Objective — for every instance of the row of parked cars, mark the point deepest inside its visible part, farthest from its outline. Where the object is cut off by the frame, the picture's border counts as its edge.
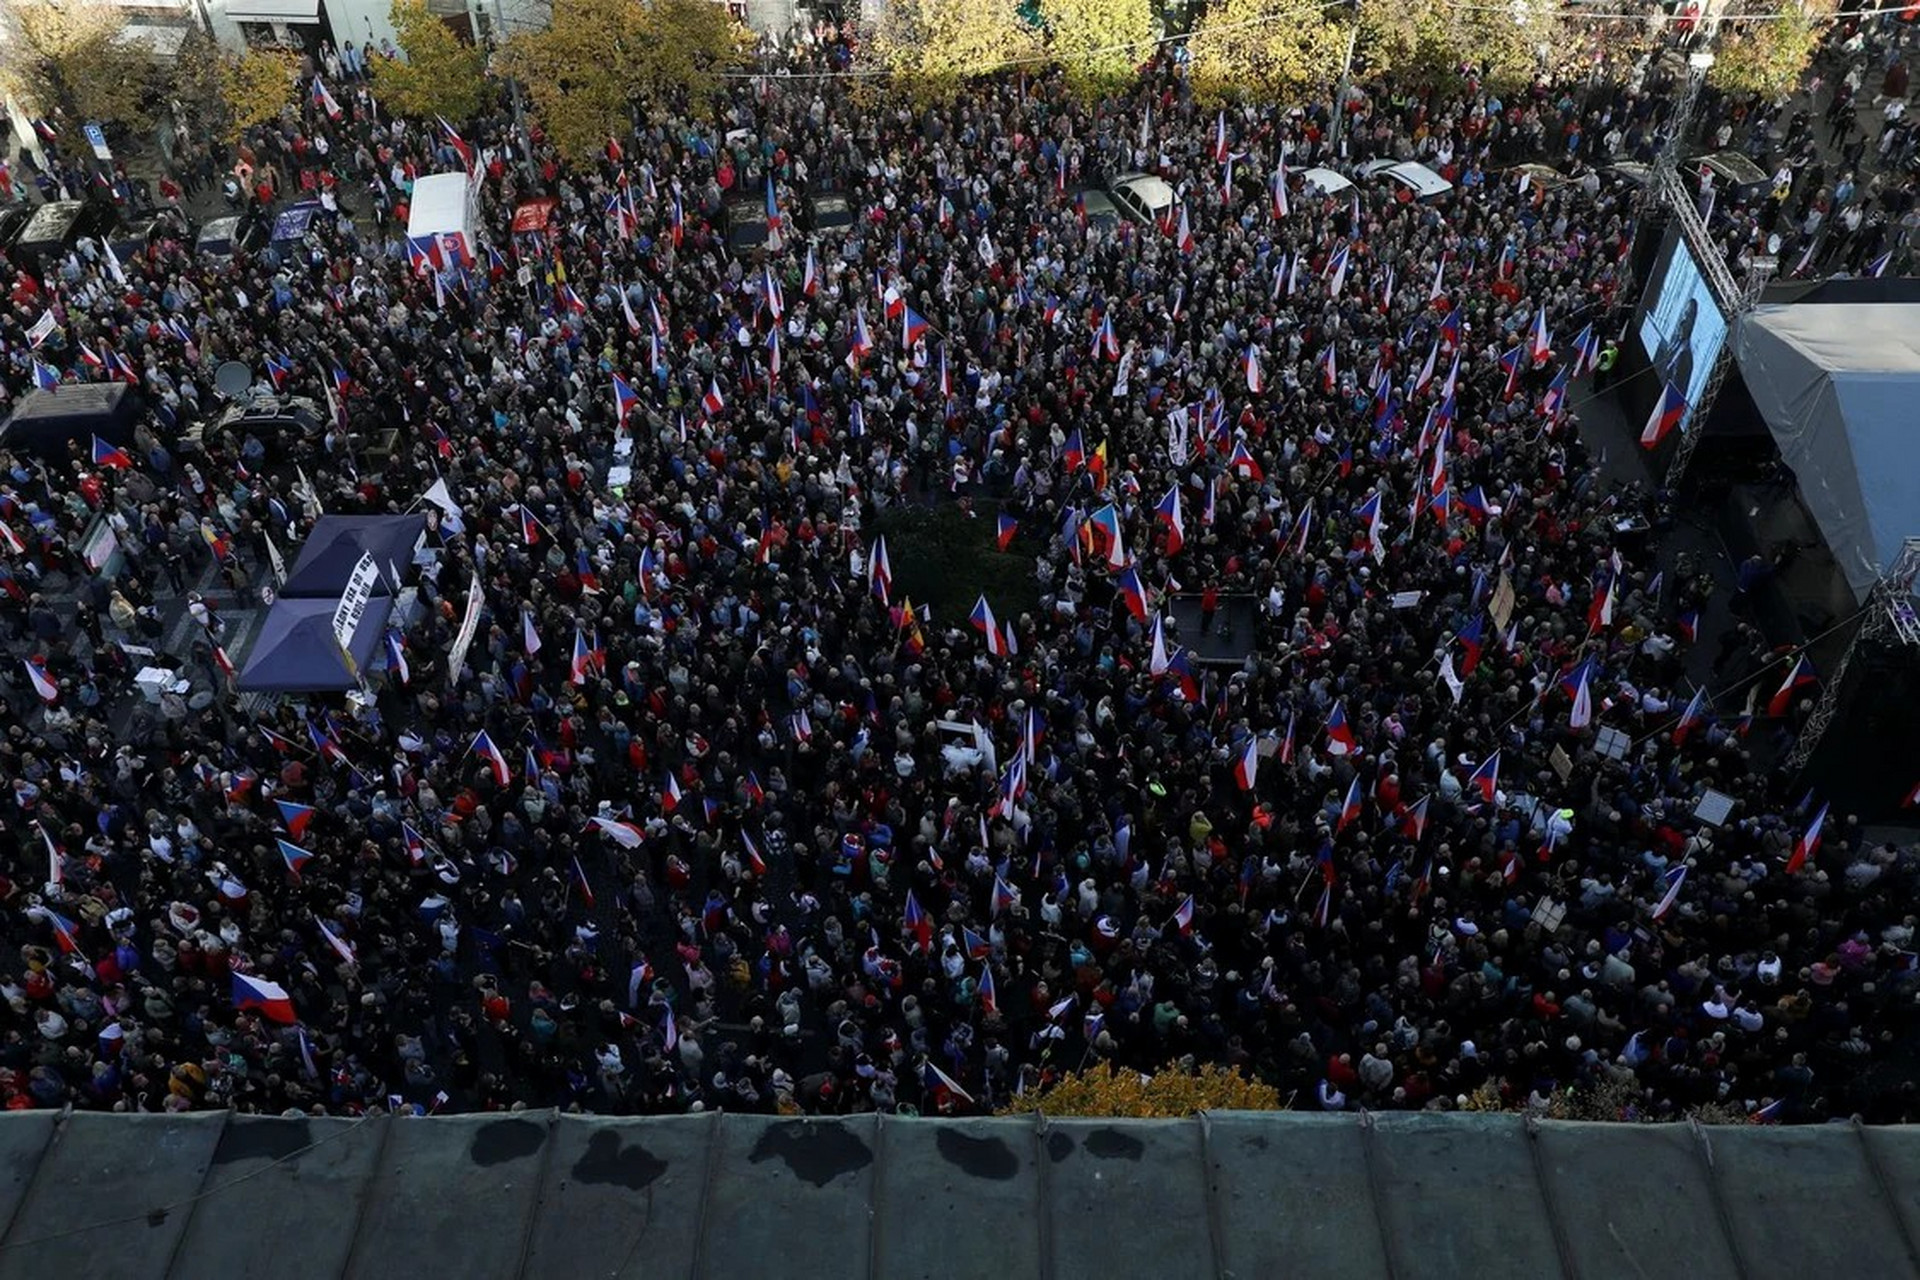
(36, 238)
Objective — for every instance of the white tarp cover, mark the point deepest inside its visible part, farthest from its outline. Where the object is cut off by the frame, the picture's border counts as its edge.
(1839, 387)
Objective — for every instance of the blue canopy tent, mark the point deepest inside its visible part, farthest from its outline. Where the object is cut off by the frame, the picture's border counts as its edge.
(336, 544)
(297, 651)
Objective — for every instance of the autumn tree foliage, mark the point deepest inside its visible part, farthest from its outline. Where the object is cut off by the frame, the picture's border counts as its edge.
(1265, 49)
(931, 46)
(74, 62)
(1099, 44)
(600, 58)
(440, 75)
(1168, 1093)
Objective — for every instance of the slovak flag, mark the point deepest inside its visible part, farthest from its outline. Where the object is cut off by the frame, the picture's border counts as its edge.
(1183, 916)
(1809, 844)
(713, 402)
(1168, 512)
(1797, 679)
(295, 817)
(1340, 739)
(1349, 808)
(1487, 777)
(1246, 765)
(269, 998)
(1256, 382)
(43, 683)
(1667, 412)
(624, 399)
(107, 455)
(496, 760)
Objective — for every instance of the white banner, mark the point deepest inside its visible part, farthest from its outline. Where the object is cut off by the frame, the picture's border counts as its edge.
(457, 656)
(353, 601)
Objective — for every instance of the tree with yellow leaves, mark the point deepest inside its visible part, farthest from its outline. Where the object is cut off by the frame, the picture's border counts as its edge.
(1265, 48)
(598, 58)
(73, 62)
(1098, 43)
(1768, 55)
(931, 46)
(256, 86)
(1436, 46)
(1166, 1094)
(690, 47)
(441, 74)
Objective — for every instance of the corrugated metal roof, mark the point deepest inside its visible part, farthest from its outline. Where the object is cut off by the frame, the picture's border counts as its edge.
(1406, 1196)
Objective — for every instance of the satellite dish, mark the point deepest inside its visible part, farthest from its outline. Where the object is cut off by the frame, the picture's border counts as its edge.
(233, 379)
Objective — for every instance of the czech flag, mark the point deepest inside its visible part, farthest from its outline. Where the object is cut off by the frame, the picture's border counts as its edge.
(325, 101)
(1133, 593)
(1340, 739)
(1797, 679)
(1691, 718)
(1542, 340)
(1487, 777)
(1577, 684)
(106, 455)
(1008, 527)
(1472, 639)
(496, 760)
(880, 571)
(1809, 844)
(624, 400)
(257, 993)
(1183, 916)
(773, 207)
(919, 924)
(624, 834)
(983, 622)
(43, 683)
(713, 402)
(1675, 877)
(1511, 363)
(1414, 824)
(1243, 463)
(580, 882)
(913, 326)
(1688, 625)
(295, 817)
(810, 278)
(1256, 381)
(1350, 809)
(295, 856)
(1246, 765)
(1667, 412)
(1168, 513)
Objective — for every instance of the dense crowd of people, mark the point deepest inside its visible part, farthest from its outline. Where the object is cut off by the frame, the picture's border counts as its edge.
(713, 815)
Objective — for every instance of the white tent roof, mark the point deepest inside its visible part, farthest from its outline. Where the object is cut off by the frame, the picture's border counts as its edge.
(1838, 386)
